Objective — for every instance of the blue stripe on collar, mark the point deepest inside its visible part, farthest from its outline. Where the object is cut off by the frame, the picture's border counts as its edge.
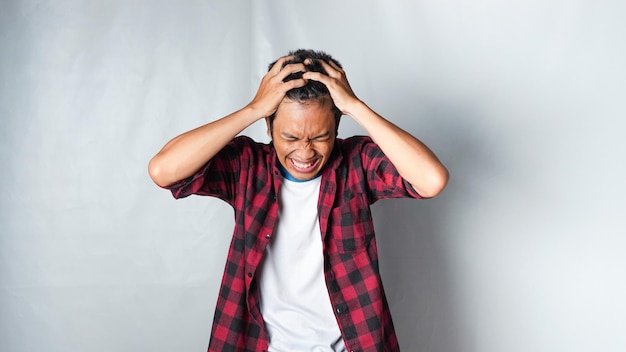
(289, 177)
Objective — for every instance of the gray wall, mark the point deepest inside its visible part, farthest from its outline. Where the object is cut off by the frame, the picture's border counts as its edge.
(524, 101)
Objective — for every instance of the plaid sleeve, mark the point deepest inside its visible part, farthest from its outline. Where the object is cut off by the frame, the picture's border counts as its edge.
(383, 179)
(219, 176)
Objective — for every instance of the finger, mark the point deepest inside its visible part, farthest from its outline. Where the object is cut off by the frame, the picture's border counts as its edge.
(335, 66)
(294, 67)
(317, 76)
(295, 83)
(278, 65)
(290, 69)
(332, 70)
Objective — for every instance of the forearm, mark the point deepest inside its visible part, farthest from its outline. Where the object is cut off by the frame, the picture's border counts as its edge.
(415, 162)
(187, 153)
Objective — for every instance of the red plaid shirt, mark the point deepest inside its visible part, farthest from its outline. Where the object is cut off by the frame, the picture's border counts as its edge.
(246, 176)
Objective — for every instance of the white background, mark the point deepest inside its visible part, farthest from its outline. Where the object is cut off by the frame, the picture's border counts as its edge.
(524, 101)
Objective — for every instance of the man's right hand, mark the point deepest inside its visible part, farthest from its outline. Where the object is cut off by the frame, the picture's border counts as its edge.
(188, 152)
(273, 88)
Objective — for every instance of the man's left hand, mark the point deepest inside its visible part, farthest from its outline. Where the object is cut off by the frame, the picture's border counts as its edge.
(337, 84)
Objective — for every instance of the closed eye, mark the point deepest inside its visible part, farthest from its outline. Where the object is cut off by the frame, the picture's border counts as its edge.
(321, 138)
(290, 137)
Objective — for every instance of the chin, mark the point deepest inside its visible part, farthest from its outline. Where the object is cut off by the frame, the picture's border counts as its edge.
(303, 175)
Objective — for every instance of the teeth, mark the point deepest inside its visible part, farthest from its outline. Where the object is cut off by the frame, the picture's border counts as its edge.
(300, 165)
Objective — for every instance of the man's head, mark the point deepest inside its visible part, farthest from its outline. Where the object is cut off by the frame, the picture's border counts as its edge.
(313, 90)
(304, 126)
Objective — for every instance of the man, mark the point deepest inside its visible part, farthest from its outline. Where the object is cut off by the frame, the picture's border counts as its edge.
(302, 269)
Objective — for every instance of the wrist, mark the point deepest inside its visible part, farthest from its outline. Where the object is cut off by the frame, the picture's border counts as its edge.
(355, 109)
(253, 113)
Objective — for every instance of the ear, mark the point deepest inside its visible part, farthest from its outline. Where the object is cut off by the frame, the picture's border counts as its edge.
(269, 129)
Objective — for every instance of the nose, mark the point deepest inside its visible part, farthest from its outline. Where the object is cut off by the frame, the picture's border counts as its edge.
(306, 149)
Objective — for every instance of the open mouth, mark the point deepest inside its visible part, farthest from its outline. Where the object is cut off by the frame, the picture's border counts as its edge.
(304, 167)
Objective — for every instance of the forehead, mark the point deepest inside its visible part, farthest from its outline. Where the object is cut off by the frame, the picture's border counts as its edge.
(316, 112)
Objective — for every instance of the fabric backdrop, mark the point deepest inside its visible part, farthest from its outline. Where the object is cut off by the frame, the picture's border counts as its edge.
(524, 101)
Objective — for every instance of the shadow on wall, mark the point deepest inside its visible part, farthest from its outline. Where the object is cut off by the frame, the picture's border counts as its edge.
(416, 239)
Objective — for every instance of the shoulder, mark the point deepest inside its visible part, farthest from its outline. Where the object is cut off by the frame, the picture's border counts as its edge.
(354, 143)
(247, 142)
(247, 145)
(358, 145)
(246, 152)
(354, 152)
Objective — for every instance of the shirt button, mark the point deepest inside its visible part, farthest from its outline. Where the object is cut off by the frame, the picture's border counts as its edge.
(267, 237)
(249, 274)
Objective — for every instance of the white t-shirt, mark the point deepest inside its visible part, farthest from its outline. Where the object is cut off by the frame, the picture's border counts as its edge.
(295, 303)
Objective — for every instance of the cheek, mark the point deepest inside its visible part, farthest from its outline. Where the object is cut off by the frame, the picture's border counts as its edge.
(324, 150)
(287, 149)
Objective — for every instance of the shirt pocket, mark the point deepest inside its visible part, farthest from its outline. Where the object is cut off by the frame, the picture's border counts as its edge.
(351, 226)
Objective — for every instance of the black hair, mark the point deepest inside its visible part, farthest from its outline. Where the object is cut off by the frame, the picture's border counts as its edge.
(312, 90)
